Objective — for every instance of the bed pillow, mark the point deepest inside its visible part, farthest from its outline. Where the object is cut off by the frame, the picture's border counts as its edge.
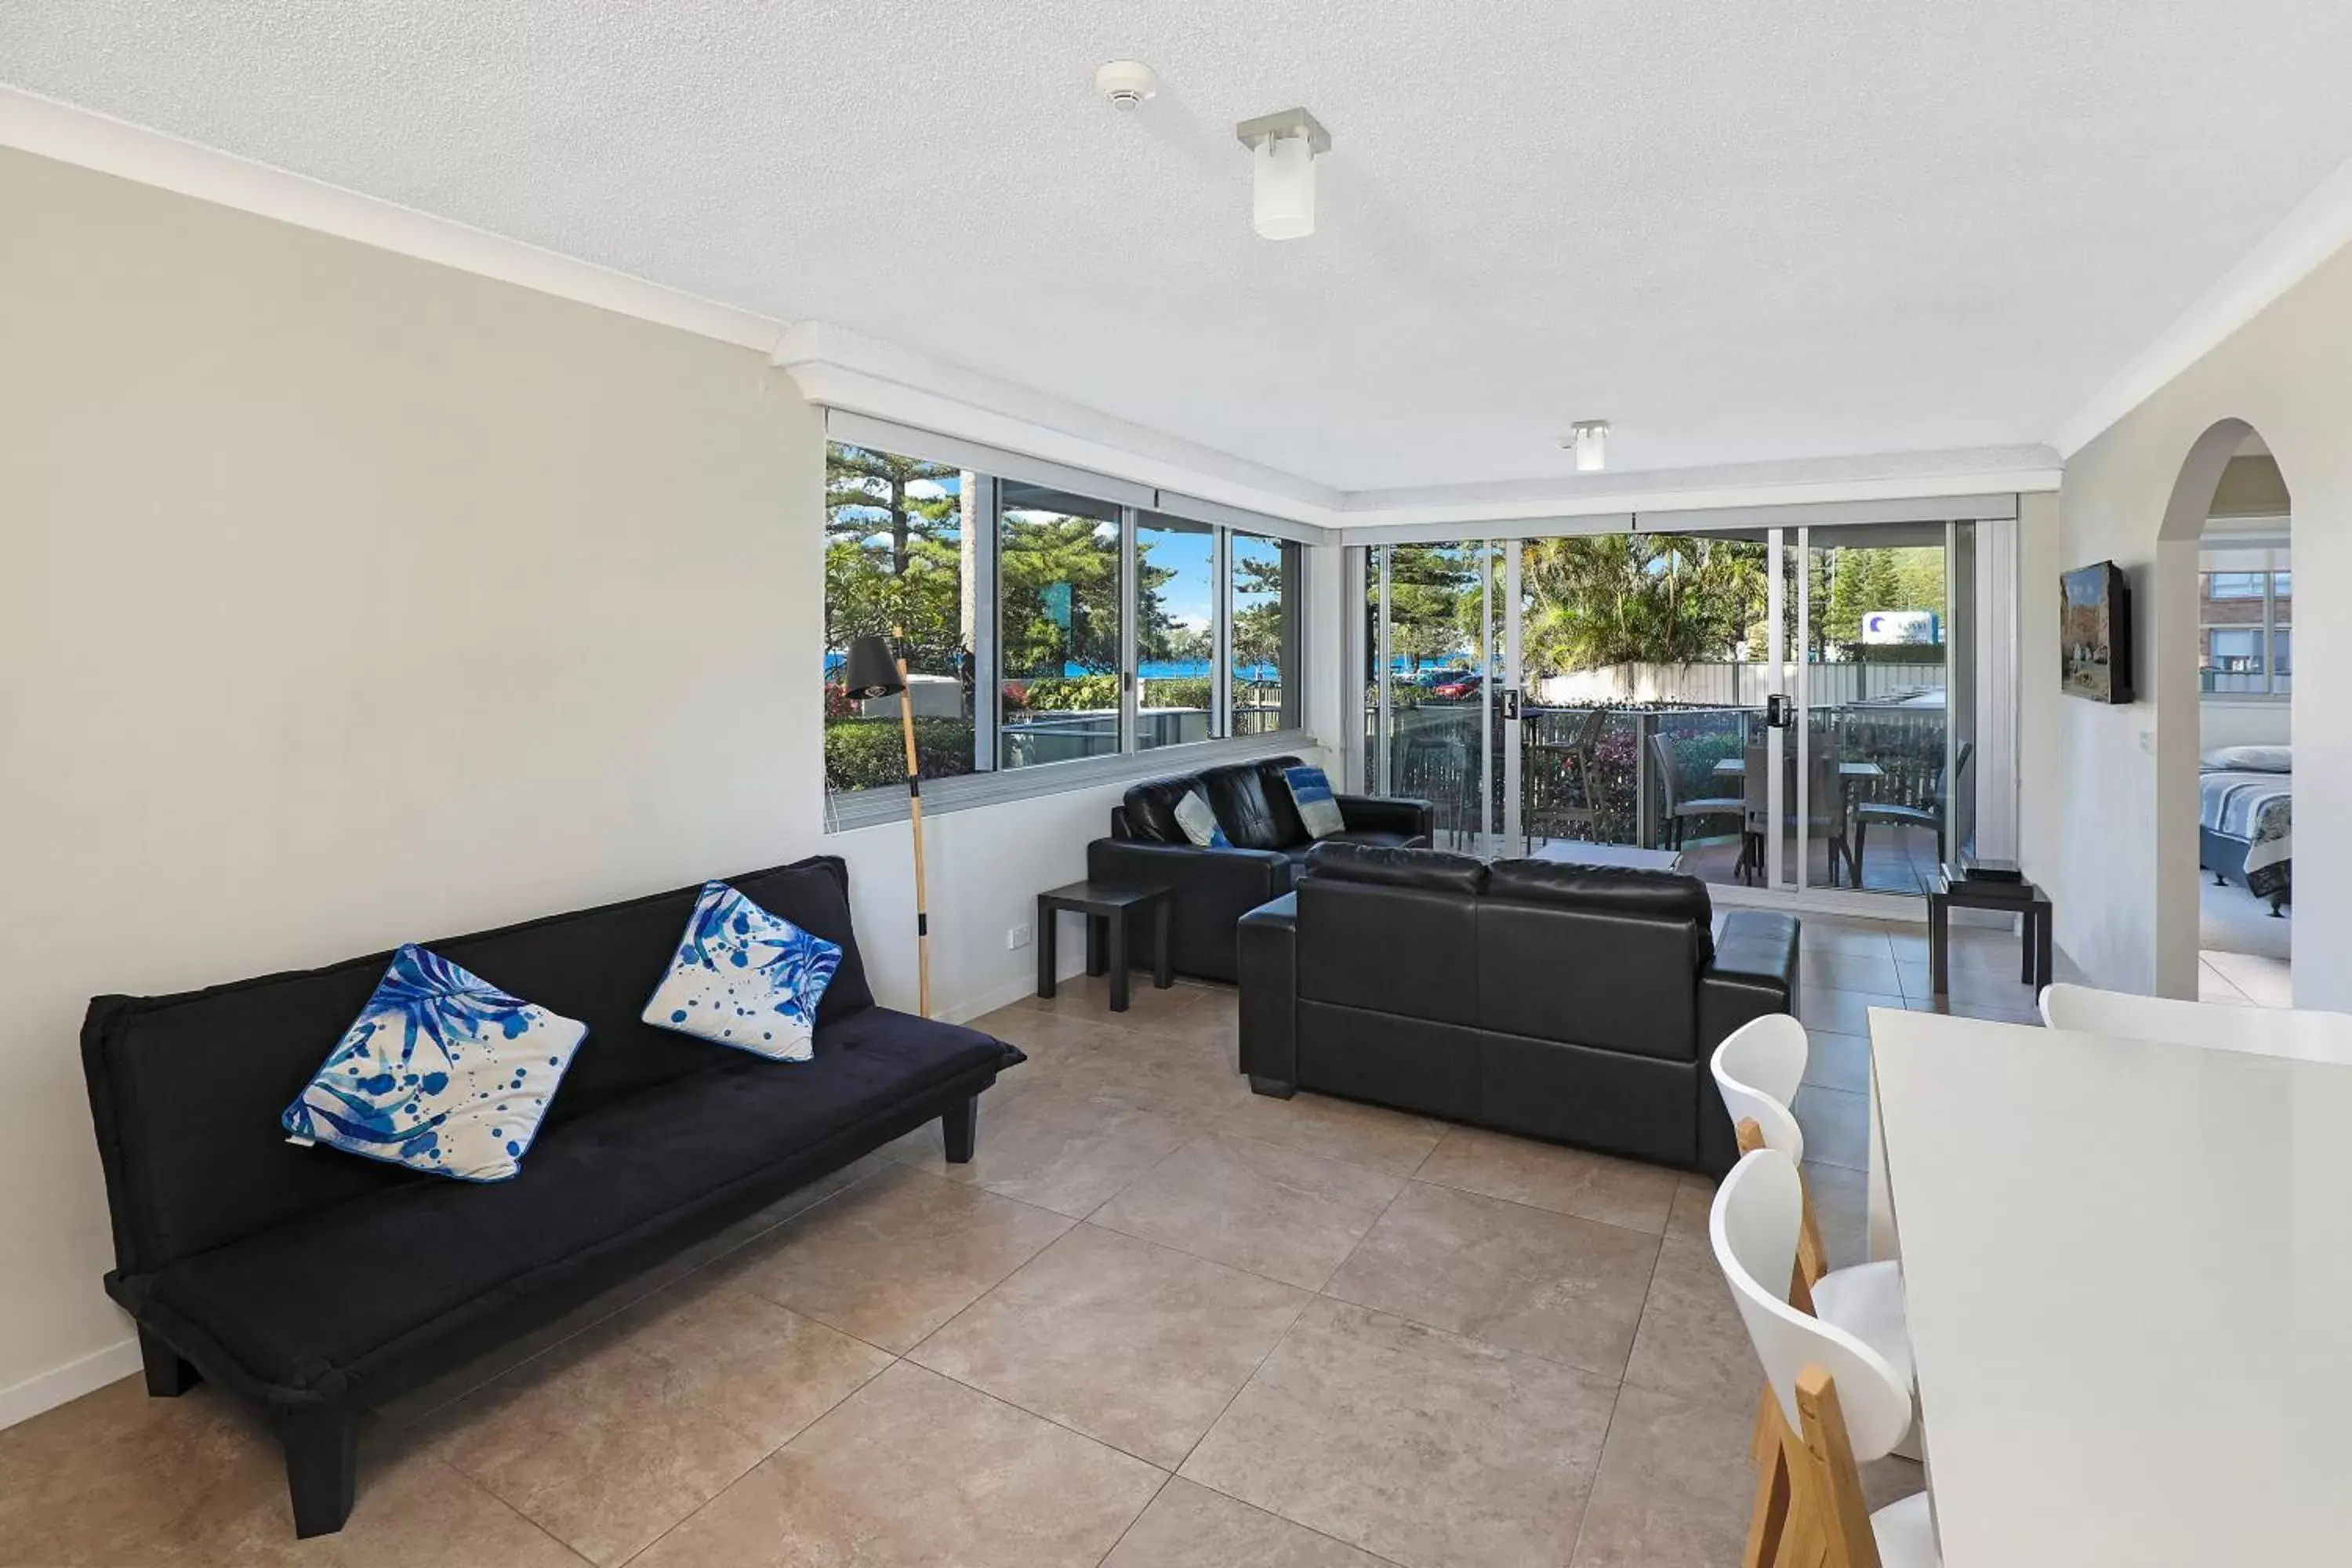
(1198, 821)
(2251, 759)
(441, 1072)
(745, 978)
(1310, 787)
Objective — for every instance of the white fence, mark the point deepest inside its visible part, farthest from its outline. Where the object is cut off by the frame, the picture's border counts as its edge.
(1742, 684)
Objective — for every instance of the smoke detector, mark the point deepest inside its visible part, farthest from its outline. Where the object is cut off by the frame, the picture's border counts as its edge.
(1127, 83)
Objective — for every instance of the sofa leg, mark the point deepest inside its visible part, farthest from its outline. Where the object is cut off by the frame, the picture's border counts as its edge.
(959, 1128)
(1274, 1087)
(321, 1444)
(169, 1373)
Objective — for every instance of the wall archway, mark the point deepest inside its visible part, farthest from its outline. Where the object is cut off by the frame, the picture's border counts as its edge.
(2165, 638)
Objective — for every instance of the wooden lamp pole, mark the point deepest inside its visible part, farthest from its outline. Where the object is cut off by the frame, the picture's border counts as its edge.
(874, 671)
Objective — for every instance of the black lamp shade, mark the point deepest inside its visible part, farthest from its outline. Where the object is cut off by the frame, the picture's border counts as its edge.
(872, 669)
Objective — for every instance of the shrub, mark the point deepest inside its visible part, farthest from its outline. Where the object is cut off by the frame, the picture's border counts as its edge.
(1072, 693)
(870, 753)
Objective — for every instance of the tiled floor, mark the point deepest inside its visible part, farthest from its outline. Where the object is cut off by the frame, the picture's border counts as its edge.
(1158, 1322)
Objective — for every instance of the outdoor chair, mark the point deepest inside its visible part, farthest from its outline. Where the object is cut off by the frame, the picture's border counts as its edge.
(1559, 794)
(1681, 813)
(1932, 812)
(1824, 809)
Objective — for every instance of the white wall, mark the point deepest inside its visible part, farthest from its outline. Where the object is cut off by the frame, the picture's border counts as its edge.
(2110, 793)
(345, 600)
(2243, 724)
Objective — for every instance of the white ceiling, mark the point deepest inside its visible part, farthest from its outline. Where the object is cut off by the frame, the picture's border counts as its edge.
(1743, 233)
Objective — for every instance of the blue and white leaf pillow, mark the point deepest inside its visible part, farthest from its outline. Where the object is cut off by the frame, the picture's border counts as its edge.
(442, 1072)
(745, 978)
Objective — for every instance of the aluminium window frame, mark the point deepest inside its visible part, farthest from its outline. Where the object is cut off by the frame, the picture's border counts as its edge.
(989, 783)
(2277, 559)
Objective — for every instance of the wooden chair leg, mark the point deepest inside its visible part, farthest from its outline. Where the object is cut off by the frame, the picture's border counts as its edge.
(1768, 1521)
(1834, 1484)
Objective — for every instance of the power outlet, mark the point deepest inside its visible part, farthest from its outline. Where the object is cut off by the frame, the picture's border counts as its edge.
(1019, 936)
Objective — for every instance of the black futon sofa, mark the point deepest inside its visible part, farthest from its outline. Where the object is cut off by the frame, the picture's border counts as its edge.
(1216, 887)
(319, 1283)
(1574, 1003)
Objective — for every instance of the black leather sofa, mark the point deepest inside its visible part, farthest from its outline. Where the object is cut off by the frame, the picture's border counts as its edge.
(319, 1283)
(1216, 887)
(1574, 1003)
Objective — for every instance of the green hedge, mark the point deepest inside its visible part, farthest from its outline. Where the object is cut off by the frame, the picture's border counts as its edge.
(869, 753)
(1072, 693)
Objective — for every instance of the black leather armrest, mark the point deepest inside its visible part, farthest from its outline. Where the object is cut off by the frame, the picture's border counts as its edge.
(1266, 872)
(1269, 976)
(1387, 814)
(1754, 972)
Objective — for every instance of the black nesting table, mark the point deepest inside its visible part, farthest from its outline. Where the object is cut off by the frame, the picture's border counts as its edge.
(2009, 897)
(1106, 906)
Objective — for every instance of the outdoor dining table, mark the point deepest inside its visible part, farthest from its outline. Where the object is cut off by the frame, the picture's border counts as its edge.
(1848, 775)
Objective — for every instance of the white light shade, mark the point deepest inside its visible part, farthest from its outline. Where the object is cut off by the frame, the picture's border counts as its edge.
(1591, 447)
(1284, 202)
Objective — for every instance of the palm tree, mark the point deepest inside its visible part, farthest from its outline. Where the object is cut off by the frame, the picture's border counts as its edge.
(1637, 599)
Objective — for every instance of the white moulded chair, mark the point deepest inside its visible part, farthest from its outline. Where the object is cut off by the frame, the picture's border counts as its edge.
(1834, 1403)
(2304, 1034)
(1756, 1069)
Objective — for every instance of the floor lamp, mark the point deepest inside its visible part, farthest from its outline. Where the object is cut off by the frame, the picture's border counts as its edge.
(875, 671)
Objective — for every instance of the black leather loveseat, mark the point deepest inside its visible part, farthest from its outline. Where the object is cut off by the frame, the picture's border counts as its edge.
(1216, 887)
(1573, 1003)
(319, 1283)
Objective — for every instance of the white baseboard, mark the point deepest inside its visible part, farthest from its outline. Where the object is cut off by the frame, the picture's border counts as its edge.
(69, 1382)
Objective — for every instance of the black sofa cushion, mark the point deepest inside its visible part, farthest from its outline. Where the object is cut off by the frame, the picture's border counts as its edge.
(336, 1294)
(1638, 938)
(1395, 866)
(1610, 889)
(1391, 931)
(1254, 815)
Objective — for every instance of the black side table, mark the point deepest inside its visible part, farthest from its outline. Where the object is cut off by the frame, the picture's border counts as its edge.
(1106, 906)
(2009, 897)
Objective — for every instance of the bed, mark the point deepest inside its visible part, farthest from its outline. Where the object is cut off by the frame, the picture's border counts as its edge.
(2245, 821)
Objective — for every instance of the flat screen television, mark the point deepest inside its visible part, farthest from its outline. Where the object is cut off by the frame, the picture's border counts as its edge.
(2095, 633)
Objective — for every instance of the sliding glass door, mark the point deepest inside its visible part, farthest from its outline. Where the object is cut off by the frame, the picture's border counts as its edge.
(1767, 708)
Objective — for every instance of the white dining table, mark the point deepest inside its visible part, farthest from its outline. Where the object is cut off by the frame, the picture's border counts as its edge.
(2127, 1267)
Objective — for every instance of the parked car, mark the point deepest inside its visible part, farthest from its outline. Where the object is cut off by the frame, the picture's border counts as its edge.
(1459, 688)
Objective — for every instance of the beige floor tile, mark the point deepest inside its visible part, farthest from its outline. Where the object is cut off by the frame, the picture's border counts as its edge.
(1088, 997)
(1058, 1150)
(1188, 1526)
(2266, 982)
(1838, 1061)
(115, 1476)
(915, 1469)
(1270, 1210)
(413, 1511)
(1419, 1446)
(1847, 971)
(762, 1368)
(1891, 1479)
(1691, 1342)
(1694, 1197)
(1831, 933)
(603, 1447)
(1050, 1039)
(1842, 1206)
(1675, 1485)
(2000, 987)
(1553, 1177)
(1525, 1279)
(894, 1257)
(1840, 1012)
(1129, 1343)
(1370, 1135)
(2212, 986)
(1836, 1123)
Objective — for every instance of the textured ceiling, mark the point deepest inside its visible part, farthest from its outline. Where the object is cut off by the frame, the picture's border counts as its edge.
(1741, 232)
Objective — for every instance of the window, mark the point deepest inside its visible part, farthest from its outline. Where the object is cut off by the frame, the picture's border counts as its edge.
(1042, 625)
(1264, 618)
(2245, 600)
(1175, 630)
(897, 531)
(1057, 626)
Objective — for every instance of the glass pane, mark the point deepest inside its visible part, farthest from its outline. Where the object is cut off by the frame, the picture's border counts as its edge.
(1435, 628)
(2282, 660)
(1175, 591)
(1058, 626)
(1265, 595)
(1642, 692)
(897, 534)
(2235, 584)
(2281, 597)
(1876, 814)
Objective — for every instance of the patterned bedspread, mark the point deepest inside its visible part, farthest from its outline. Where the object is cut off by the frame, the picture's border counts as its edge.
(2259, 809)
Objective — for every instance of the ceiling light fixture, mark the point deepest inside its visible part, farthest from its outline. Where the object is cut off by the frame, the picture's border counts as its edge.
(1589, 439)
(1127, 83)
(1283, 149)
